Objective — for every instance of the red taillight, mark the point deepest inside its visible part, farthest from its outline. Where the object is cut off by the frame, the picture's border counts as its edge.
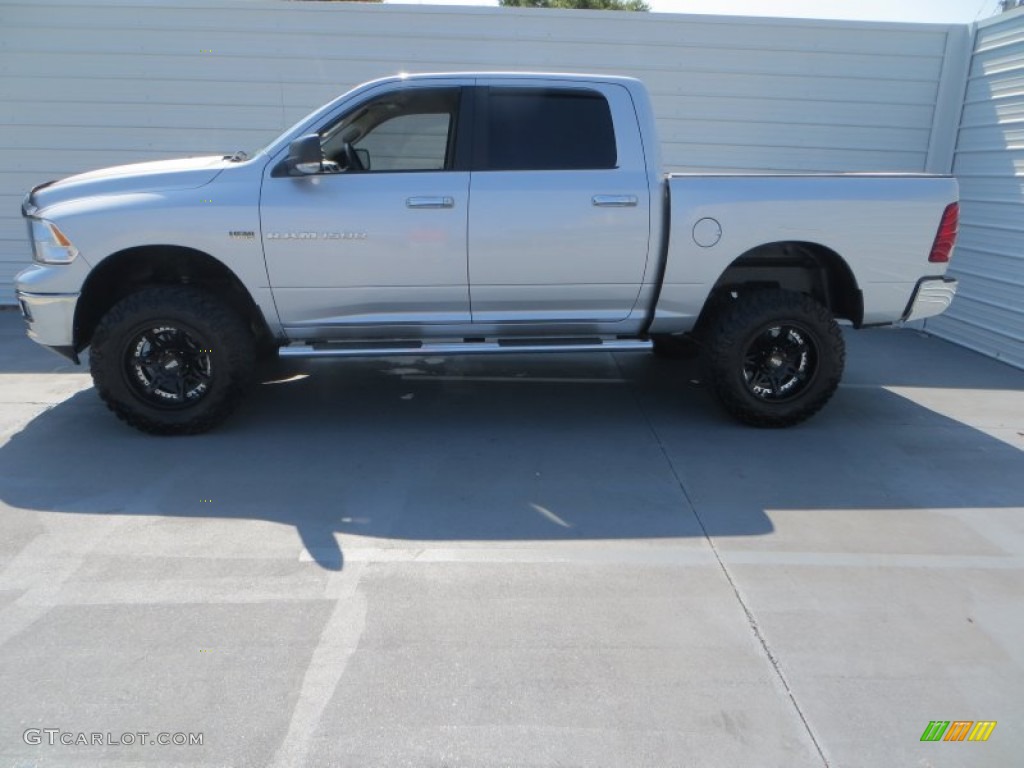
(946, 236)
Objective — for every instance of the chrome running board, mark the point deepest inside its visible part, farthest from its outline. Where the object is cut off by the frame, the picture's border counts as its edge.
(450, 348)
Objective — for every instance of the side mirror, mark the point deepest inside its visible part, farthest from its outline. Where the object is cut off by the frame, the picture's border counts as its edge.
(305, 156)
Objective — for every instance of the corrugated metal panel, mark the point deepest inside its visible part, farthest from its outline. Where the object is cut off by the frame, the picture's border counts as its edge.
(988, 313)
(88, 83)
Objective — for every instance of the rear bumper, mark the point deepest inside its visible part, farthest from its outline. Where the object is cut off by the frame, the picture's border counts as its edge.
(50, 318)
(932, 296)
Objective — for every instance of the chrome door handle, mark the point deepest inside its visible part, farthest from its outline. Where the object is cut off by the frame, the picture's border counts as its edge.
(615, 201)
(430, 202)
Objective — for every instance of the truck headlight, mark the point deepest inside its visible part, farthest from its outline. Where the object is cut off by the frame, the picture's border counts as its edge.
(49, 244)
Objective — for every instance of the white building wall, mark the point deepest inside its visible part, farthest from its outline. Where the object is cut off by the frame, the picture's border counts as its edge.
(89, 83)
(988, 313)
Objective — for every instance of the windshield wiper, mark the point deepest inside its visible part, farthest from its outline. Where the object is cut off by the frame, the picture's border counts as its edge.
(237, 157)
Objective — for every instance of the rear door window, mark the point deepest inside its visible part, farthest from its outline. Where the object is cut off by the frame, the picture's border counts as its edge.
(545, 129)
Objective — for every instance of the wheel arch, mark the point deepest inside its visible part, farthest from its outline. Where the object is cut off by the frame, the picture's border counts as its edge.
(803, 267)
(132, 269)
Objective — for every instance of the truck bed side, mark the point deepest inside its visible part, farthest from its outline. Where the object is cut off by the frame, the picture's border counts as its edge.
(881, 227)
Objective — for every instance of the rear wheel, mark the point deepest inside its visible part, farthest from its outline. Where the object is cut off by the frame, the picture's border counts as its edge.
(172, 360)
(775, 357)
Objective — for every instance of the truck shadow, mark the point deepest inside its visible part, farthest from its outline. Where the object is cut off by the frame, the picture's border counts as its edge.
(383, 450)
(531, 449)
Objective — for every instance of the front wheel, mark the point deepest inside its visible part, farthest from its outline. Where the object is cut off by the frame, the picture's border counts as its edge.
(172, 360)
(775, 357)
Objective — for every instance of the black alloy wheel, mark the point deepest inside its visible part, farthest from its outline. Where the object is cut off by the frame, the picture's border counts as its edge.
(780, 362)
(168, 367)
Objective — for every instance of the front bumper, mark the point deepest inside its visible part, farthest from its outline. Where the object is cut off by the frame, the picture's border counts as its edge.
(932, 296)
(50, 319)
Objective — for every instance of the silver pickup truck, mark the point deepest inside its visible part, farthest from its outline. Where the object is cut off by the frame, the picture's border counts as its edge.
(465, 214)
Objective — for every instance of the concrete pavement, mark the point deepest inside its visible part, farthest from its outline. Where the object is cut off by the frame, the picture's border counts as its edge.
(530, 561)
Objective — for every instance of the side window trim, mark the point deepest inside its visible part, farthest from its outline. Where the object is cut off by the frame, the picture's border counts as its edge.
(481, 137)
(464, 130)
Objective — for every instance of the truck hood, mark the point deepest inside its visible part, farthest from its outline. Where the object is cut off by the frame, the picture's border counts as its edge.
(187, 173)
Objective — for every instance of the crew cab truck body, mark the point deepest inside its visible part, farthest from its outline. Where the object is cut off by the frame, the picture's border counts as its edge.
(472, 213)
